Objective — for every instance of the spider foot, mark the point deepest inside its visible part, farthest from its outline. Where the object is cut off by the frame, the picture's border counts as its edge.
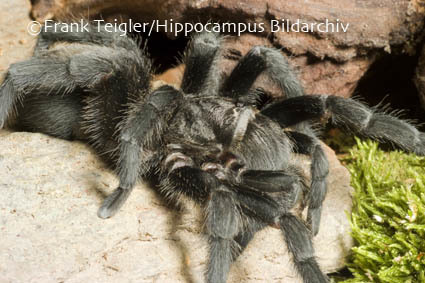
(113, 203)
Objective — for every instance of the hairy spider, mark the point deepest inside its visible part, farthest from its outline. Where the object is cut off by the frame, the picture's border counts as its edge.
(211, 141)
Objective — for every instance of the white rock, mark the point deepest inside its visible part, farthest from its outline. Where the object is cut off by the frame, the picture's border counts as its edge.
(50, 191)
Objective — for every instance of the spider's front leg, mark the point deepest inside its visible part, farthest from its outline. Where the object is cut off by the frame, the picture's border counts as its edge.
(222, 220)
(142, 129)
(240, 205)
(269, 196)
(223, 224)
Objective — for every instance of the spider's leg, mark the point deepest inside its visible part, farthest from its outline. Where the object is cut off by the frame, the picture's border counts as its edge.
(271, 61)
(36, 75)
(275, 210)
(265, 194)
(192, 182)
(245, 236)
(96, 34)
(262, 196)
(126, 78)
(223, 224)
(319, 168)
(201, 75)
(268, 181)
(253, 191)
(350, 114)
(59, 73)
(142, 130)
(298, 240)
(57, 116)
(261, 59)
(183, 179)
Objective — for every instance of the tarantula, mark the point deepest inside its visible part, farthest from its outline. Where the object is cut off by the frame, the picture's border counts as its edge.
(214, 141)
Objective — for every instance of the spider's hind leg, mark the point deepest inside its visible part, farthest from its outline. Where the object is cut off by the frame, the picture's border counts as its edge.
(61, 73)
(261, 59)
(274, 64)
(57, 116)
(349, 114)
(42, 76)
(346, 113)
(201, 75)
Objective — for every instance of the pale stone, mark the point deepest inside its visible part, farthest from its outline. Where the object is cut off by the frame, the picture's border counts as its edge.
(50, 191)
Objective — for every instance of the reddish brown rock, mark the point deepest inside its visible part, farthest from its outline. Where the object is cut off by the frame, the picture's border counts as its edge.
(322, 77)
(373, 24)
(331, 78)
(330, 62)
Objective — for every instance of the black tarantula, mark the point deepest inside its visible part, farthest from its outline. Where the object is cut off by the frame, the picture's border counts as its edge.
(211, 141)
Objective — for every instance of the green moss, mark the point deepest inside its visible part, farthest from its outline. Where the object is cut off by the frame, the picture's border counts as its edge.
(388, 218)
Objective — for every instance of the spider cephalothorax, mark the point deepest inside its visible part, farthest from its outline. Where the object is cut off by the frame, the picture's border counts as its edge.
(213, 141)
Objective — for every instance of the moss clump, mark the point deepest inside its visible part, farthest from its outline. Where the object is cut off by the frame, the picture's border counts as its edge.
(388, 218)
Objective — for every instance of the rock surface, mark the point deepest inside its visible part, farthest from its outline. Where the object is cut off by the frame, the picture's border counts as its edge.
(51, 190)
(15, 42)
(329, 63)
